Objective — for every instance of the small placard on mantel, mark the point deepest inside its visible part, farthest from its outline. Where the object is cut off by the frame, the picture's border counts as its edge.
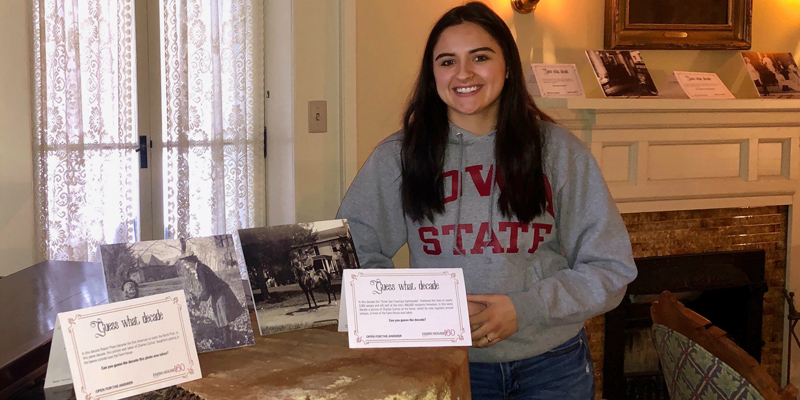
(702, 85)
(555, 81)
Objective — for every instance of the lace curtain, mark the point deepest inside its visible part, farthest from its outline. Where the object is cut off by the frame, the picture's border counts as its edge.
(213, 116)
(85, 179)
(85, 135)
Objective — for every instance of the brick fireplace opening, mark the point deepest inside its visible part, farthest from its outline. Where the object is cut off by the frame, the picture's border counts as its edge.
(656, 234)
(725, 287)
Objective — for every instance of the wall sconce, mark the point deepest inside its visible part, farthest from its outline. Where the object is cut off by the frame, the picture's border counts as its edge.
(524, 6)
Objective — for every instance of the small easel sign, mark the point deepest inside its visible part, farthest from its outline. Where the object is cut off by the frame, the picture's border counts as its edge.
(555, 80)
(122, 349)
(410, 307)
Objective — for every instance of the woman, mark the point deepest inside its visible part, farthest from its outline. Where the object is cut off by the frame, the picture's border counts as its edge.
(225, 307)
(480, 179)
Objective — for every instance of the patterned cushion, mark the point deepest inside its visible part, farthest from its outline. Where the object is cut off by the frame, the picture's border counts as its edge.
(691, 372)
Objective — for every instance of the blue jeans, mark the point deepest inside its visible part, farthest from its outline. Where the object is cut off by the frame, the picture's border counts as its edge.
(564, 373)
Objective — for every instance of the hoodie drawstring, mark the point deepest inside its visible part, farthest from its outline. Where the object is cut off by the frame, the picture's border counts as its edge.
(493, 181)
(458, 194)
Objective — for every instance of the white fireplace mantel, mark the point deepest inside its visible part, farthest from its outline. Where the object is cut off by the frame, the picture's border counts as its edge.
(675, 154)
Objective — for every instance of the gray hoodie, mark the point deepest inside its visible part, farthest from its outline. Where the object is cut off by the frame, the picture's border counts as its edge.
(570, 264)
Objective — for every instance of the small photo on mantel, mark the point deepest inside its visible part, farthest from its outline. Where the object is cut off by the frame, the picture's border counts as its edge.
(622, 73)
(774, 74)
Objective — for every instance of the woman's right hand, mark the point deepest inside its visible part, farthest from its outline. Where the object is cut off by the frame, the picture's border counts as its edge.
(474, 307)
(495, 323)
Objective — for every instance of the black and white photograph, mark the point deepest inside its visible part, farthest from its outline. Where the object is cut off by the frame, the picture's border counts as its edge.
(295, 272)
(773, 74)
(622, 73)
(208, 271)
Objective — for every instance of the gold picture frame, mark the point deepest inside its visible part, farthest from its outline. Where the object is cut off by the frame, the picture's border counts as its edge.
(678, 24)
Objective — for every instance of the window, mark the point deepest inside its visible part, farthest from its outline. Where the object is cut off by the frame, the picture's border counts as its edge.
(190, 82)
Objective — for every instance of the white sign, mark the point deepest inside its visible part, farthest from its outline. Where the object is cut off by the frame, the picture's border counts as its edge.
(556, 80)
(342, 309)
(410, 307)
(702, 85)
(126, 348)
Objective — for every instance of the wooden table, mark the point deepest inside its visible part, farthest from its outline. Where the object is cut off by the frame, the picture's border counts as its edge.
(312, 363)
(29, 302)
(317, 364)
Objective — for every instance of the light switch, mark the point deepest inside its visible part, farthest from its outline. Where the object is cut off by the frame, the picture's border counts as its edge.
(317, 116)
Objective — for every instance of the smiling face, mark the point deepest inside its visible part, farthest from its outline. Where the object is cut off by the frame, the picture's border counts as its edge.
(469, 70)
(130, 289)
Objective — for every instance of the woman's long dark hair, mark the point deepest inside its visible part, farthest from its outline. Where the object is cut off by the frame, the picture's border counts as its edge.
(518, 142)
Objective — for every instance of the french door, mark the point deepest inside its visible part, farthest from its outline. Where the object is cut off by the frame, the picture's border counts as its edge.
(148, 120)
(201, 116)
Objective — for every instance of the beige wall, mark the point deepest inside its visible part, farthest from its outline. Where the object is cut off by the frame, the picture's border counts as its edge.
(303, 57)
(316, 68)
(390, 37)
(16, 176)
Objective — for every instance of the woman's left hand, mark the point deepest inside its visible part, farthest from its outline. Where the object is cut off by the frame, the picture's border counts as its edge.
(496, 322)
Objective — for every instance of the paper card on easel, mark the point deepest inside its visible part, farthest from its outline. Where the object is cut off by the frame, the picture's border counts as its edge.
(531, 84)
(702, 85)
(556, 80)
(342, 309)
(126, 348)
(410, 307)
(671, 89)
(58, 378)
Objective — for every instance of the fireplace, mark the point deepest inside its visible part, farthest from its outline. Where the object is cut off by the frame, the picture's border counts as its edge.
(697, 177)
(725, 287)
(692, 232)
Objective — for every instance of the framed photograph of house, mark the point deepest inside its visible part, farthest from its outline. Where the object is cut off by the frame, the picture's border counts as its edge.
(295, 272)
(206, 268)
(678, 24)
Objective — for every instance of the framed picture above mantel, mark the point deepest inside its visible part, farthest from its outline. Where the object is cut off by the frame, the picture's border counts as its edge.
(678, 24)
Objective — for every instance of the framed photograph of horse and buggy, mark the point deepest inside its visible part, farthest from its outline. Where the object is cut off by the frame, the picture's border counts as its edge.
(295, 272)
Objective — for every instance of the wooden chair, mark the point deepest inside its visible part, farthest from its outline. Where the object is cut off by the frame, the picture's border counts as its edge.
(699, 361)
